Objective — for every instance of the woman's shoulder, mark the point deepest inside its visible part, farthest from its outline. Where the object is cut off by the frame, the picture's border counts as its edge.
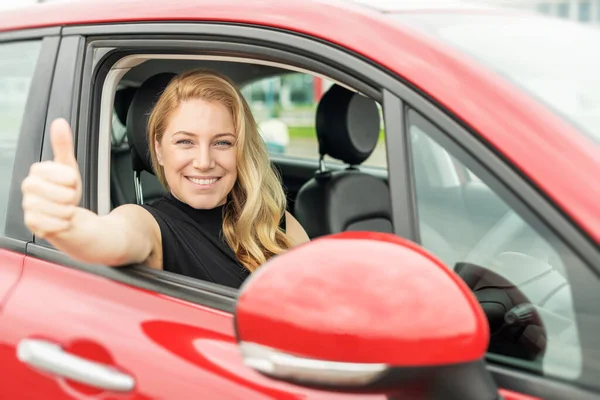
(163, 208)
(294, 230)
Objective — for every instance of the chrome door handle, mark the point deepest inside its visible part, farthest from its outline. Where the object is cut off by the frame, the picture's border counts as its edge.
(52, 358)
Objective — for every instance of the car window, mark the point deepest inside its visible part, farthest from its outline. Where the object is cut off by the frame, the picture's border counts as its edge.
(17, 65)
(285, 108)
(518, 274)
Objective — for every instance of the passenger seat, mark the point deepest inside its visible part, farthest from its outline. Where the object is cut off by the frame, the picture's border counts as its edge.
(347, 127)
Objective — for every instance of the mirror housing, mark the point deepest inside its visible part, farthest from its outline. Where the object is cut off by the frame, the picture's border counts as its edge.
(364, 312)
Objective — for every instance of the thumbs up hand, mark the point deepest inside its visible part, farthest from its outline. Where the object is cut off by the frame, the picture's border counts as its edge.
(52, 190)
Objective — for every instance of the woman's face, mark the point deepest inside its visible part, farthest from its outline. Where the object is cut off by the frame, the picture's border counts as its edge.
(198, 154)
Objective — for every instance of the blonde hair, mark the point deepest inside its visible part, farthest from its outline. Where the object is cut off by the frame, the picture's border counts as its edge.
(257, 202)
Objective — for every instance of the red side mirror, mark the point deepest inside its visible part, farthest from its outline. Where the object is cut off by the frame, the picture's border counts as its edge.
(362, 311)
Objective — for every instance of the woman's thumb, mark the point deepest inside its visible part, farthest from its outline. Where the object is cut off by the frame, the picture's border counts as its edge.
(61, 139)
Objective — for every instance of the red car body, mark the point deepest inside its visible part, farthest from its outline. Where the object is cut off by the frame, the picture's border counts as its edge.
(108, 321)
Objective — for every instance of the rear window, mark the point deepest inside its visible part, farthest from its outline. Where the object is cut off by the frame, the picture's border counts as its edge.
(17, 66)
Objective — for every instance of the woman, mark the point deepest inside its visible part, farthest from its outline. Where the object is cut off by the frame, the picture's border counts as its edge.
(223, 214)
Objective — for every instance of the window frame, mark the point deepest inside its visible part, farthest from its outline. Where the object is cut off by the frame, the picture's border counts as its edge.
(29, 143)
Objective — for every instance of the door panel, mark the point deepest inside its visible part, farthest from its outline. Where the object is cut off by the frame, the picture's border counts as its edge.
(11, 265)
(171, 348)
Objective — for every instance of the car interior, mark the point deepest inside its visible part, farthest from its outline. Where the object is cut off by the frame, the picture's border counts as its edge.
(460, 218)
(317, 195)
(322, 190)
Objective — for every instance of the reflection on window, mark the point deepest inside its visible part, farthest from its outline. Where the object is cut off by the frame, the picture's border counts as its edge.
(17, 66)
(517, 271)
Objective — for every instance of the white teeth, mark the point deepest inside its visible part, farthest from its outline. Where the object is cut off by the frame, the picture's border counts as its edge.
(203, 181)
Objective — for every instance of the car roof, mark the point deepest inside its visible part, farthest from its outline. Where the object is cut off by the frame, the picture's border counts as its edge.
(83, 12)
(112, 11)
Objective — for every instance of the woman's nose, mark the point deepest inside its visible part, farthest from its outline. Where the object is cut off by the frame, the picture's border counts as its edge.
(203, 160)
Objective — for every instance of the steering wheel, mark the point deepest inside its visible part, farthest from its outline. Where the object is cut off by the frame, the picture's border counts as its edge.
(527, 301)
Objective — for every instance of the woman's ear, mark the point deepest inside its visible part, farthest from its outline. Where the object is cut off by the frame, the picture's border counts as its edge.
(158, 151)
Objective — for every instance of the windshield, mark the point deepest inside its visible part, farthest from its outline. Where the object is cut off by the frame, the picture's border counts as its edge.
(556, 61)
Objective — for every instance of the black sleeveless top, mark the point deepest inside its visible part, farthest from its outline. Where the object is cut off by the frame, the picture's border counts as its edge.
(193, 243)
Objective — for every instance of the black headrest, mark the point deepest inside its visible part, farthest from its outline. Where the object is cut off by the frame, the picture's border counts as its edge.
(141, 106)
(347, 125)
(123, 98)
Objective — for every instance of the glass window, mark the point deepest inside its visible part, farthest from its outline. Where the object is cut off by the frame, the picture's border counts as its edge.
(517, 272)
(285, 108)
(17, 65)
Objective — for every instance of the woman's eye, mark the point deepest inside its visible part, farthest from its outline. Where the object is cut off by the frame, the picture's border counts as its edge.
(184, 141)
(223, 143)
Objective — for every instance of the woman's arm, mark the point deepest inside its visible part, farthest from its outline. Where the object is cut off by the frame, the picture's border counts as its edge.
(294, 230)
(51, 194)
(128, 235)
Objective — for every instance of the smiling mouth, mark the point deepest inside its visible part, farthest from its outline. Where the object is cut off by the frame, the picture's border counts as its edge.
(202, 181)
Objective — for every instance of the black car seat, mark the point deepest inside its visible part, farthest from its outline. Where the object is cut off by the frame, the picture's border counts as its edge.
(123, 99)
(136, 183)
(347, 127)
(121, 175)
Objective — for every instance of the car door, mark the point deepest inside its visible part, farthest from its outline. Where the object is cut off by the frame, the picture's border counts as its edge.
(72, 330)
(515, 259)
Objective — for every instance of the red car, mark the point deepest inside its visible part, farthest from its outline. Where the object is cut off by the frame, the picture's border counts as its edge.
(459, 261)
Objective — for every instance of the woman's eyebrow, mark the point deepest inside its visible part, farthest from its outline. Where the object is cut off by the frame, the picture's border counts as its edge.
(184, 133)
(224, 134)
